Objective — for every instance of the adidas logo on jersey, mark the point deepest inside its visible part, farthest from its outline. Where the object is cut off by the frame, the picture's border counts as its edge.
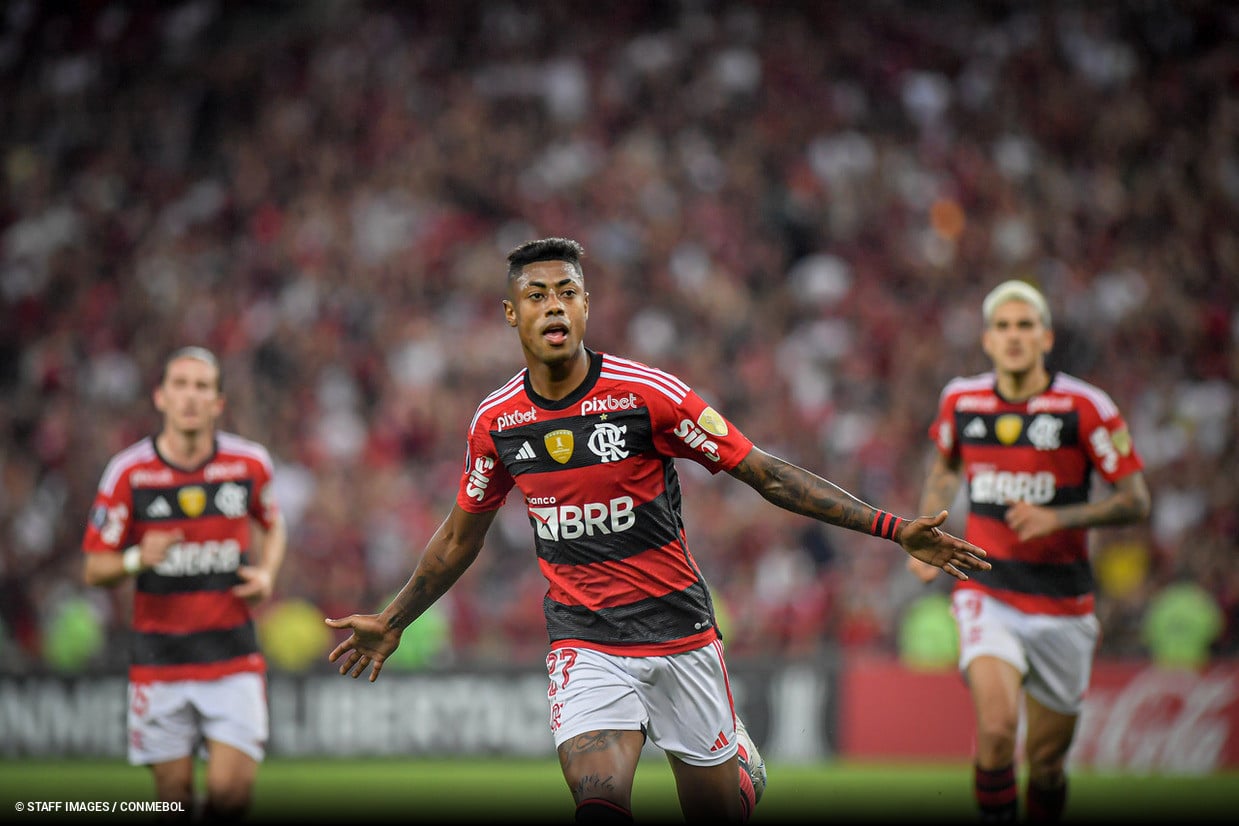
(975, 429)
(159, 508)
(526, 452)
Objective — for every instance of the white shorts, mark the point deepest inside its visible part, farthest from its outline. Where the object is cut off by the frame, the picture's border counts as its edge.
(1053, 653)
(168, 721)
(682, 701)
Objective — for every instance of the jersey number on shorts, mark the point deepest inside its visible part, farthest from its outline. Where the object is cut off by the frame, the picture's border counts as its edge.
(560, 660)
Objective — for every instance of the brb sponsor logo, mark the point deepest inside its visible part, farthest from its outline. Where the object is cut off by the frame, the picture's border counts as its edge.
(561, 522)
(516, 418)
(194, 558)
(1001, 487)
(609, 404)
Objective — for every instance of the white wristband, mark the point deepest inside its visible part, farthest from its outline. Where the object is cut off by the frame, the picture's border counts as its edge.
(131, 560)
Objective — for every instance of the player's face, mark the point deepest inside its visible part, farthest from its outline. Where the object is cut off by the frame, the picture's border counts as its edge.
(189, 396)
(1016, 340)
(548, 306)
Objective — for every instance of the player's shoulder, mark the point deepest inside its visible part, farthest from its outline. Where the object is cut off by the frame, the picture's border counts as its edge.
(233, 446)
(139, 455)
(499, 399)
(969, 385)
(1083, 392)
(643, 377)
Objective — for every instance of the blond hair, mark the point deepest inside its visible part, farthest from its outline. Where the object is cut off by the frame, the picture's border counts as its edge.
(1015, 290)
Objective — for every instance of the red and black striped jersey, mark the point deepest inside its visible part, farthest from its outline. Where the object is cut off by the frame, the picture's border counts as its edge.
(187, 624)
(1043, 450)
(598, 476)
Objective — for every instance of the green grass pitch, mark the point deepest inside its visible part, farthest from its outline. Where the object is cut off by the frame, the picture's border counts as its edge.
(374, 790)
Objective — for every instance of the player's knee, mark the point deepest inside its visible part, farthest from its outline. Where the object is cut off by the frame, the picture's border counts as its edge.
(226, 805)
(227, 801)
(598, 810)
(996, 733)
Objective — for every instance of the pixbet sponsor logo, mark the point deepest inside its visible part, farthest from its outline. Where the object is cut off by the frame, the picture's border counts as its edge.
(150, 478)
(515, 418)
(224, 470)
(609, 404)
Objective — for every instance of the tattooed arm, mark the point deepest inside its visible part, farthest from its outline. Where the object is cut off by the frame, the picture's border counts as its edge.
(800, 491)
(449, 553)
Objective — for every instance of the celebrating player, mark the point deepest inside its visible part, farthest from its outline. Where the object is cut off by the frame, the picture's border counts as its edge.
(173, 514)
(1028, 441)
(590, 440)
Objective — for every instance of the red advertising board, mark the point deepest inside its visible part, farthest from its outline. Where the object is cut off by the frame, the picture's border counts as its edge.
(1137, 717)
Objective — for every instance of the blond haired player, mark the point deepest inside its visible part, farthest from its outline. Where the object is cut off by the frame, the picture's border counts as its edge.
(1027, 443)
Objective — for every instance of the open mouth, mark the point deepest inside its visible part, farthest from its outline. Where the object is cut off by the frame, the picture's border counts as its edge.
(555, 333)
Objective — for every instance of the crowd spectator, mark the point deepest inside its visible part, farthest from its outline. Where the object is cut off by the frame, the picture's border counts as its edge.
(805, 197)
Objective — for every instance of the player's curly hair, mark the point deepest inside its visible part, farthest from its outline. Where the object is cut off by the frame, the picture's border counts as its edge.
(546, 249)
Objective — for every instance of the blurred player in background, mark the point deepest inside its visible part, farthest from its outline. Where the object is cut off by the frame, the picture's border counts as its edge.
(1028, 441)
(590, 440)
(173, 514)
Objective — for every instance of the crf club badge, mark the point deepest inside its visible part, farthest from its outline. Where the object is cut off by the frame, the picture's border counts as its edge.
(192, 500)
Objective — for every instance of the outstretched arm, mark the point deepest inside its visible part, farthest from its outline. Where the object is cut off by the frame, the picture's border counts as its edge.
(449, 553)
(800, 491)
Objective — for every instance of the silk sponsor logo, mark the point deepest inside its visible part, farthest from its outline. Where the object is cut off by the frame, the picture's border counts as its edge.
(565, 522)
(115, 520)
(696, 437)
(479, 477)
(216, 471)
(1000, 487)
(516, 418)
(946, 436)
(609, 404)
(1103, 445)
(196, 558)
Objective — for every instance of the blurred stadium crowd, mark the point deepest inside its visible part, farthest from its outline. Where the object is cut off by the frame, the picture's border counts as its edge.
(795, 206)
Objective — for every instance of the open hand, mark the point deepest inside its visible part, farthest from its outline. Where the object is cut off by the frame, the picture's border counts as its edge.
(370, 644)
(256, 584)
(1030, 521)
(925, 541)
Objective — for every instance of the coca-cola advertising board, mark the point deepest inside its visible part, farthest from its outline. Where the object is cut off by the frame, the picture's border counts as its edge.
(1137, 717)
